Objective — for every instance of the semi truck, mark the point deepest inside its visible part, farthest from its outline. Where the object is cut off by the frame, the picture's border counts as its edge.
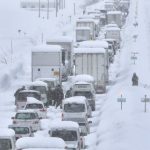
(92, 61)
(47, 62)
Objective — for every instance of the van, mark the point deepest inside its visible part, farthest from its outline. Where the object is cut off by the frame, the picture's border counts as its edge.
(7, 139)
(69, 131)
(85, 89)
(21, 99)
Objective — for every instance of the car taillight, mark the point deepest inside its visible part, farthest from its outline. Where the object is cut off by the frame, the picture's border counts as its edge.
(43, 109)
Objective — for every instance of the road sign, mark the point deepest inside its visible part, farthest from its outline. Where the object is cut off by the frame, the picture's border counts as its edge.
(121, 99)
(145, 100)
(133, 57)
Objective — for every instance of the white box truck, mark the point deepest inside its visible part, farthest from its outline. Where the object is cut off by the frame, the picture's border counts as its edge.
(86, 22)
(114, 17)
(92, 61)
(46, 62)
(66, 43)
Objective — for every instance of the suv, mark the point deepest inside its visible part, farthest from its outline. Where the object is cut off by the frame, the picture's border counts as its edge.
(21, 130)
(70, 132)
(37, 106)
(27, 117)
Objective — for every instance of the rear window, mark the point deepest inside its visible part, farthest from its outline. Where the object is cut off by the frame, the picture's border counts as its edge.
(83, 93)
(65, 135)
(41, 89)
(5, 144)
(26, 116)
(21, 130)
(74, 107)
(34, 106)
(23, 96)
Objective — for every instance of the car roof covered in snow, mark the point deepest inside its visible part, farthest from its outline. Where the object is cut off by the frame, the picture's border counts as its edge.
(89, 50)
(26, 111)
(64, 39)
(40, 142)
(94, 44)
(29, 91)
(31, 100)
(85, 20)
(6, 132)
(83, 77)
(63, 124)
(113, 12)
(83, 28)
(19, 125)
(75, 99)
(47, 48)
(38, 83)
(46, 79)
(82, 82)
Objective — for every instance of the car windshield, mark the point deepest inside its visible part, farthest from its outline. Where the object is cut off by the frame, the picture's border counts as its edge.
(21, 130)
(66, 135)
(5, 144)
(41, 89)
(87, 94)
(74, 107)
(23, 96)
(26, 116)
(34, 106)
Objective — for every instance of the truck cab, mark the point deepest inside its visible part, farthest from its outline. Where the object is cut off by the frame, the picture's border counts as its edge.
(7, 139)
(69, 131)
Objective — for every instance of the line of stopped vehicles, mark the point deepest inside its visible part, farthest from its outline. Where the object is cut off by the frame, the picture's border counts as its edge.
(80, 68)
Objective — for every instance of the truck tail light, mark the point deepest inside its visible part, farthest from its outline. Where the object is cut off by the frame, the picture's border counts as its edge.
(43, 110)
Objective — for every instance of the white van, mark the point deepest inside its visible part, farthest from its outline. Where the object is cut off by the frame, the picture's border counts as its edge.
(69, 131)
(85, 89)
(7, 139)
(40, 143)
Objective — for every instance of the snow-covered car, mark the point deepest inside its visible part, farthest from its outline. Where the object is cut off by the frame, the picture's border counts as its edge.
(21, 130)
(27, 117)
(40, 143)
(37, 106)
(74, 107)
(21, 99)
(7, 139)
(51, 82)
(85, 89)
(42, 88)
(69, 131)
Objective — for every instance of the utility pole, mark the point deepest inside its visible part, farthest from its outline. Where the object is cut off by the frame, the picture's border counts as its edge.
(56, 5)
(39, 8)
(47, 9)
(74, 9)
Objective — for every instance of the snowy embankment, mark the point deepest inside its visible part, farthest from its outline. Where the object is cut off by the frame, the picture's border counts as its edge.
(128, 129)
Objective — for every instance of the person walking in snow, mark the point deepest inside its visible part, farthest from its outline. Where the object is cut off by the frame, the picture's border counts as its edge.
(135, 80)
(58, 96)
